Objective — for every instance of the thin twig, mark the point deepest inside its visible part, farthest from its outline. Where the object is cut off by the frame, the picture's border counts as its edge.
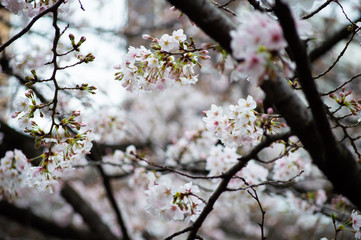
(342, 85)
(338, 57)
(81, 5)
(113, 202)
(344, 13)
(255, 197)
(178, 233)
(223, 6)
(317, 10)
(263, 183)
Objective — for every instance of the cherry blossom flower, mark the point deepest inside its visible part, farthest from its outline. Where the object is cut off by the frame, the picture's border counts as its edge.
(253, 42)
(14, 174)
(167, 65)
(168, 43)
(15, 6)
(291, 165)
(356, 220)
(220, 160)
(21, 104)
(171, 202)
(32, 8)
(236, 127)
(356, 223)
(179, 35)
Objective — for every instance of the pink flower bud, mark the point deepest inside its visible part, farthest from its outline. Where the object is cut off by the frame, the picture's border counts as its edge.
(270, 110)
(29, 93)
(147, 37)
(205, 57)
(15, 114)
(76, 113)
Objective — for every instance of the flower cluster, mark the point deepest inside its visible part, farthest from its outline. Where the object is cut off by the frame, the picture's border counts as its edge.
(64, 147)
(170, 202)
(256, 43)
(353, 105)
(253, 173)
(105, 122)
(30, 8)
(221, 159)
(63, 153)
(237, 127)
(171, 62)
(194, 146)
(14, 174)
(290, 166)
(121, 161)
(356, 223)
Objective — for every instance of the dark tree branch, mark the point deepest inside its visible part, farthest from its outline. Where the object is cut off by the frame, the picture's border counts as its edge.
(337, 163)
(178, 233)
(331, 42)
(97, 156)
(13, 139)
(341, 168)
(297, 115)
(222, 187)
(88, 214)
(254, 195)
(27, 217)
(79, 205)
(298, 50)
(28, 27)
(209, 18)
(341, 54)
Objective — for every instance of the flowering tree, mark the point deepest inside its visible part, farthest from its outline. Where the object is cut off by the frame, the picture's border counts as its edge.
(250, 131)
